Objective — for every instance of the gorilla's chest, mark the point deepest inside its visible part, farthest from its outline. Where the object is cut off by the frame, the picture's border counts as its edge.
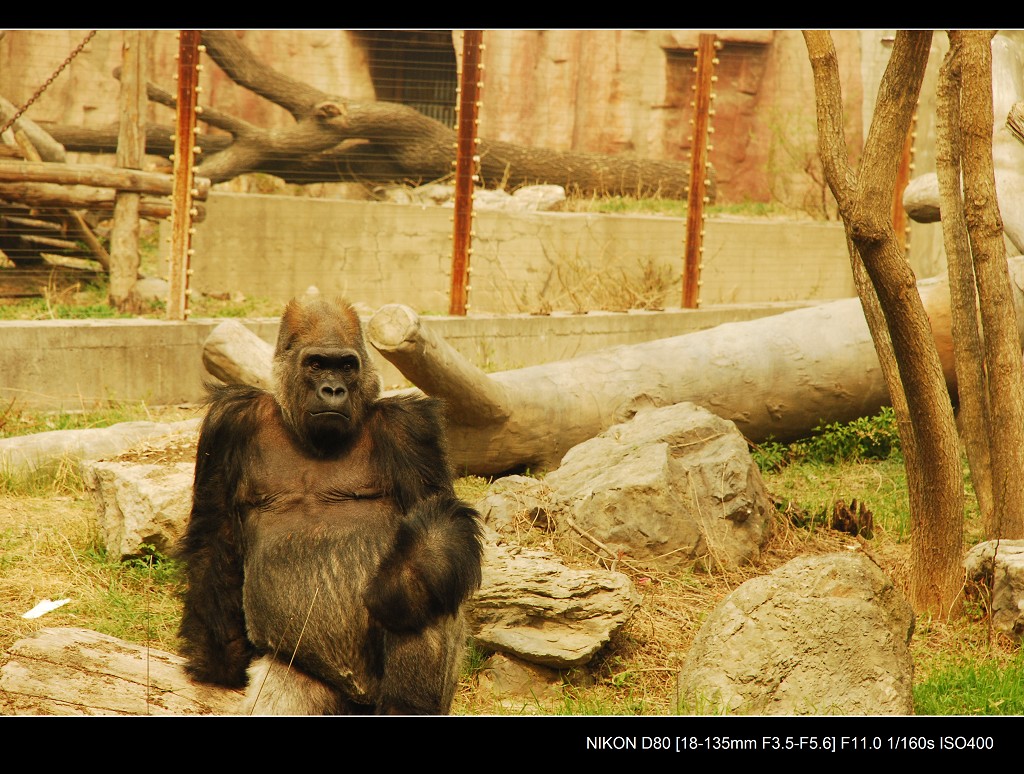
(292, 489)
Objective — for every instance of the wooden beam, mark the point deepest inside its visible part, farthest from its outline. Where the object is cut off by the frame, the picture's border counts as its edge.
(152, 183)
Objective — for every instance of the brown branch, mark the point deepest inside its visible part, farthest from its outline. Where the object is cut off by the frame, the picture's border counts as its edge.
(894, 111)
(831, 134)
(372, 141)
(215, 118)
(250, 72)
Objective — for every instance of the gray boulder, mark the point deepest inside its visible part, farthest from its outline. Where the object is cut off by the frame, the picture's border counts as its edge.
(672, 485)
(999, 566)
(821, 635)
(140, 504)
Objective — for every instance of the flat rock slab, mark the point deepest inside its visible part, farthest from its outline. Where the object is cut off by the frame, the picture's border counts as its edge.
(70, 671)
(532, 606)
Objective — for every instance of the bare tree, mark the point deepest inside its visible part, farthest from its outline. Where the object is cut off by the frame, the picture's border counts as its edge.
(895, 314)
(985, 326)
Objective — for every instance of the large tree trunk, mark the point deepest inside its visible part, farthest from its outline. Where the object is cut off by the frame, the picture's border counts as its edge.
(777, 377)
(1005, 374)
(370, 142)
(965, 323)
(920, 398)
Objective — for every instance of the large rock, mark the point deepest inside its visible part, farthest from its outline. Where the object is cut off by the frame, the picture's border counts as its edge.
(999, 566)
(821, 635)
(140, 504)
(673, 485)
(515, 503)
(531, 606)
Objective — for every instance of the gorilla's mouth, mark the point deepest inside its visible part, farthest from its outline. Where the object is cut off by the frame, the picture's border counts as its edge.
(329, 414)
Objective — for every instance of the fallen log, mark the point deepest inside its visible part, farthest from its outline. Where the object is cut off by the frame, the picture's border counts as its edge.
(22, 455)
(235, 355)
(776, 377)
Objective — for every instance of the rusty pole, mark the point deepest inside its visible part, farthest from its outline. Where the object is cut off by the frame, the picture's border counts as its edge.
(467, 161)
(699, 148)
(184, 165)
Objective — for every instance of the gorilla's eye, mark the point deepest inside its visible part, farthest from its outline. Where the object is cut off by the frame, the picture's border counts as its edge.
(317, 362)
(349, 365)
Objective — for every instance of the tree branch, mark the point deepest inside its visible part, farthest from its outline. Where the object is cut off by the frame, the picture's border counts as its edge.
(373, 141)
(250, 72)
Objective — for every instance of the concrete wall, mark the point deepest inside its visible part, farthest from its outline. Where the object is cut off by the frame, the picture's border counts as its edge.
(377, 253)
(74, 364)
(383, 253)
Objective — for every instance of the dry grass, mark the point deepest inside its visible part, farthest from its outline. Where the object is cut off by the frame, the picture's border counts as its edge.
(48, 550)
(636, 673)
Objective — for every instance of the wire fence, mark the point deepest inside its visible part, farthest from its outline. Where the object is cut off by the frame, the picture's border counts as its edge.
(330, 159)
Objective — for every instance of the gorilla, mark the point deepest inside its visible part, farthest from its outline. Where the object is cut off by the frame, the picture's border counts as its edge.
(327, 556)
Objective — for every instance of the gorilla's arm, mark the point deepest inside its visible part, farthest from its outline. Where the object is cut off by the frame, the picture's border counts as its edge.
(213, 622)
(435, 562)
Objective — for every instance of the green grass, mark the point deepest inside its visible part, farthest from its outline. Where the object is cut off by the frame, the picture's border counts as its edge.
(16, 421)
(976, 686)
(135, 600)
(866, 438)
(808, 491)
(676, 208)
(81, 303)
(858, 460)
(89, 302)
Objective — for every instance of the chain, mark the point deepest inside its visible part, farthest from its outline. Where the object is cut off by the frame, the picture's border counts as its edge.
(10, 122)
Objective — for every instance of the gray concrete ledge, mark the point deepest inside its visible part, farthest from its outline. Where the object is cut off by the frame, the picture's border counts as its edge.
(76, 364)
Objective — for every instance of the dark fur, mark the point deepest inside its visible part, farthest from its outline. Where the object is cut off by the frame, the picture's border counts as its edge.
(325, 534)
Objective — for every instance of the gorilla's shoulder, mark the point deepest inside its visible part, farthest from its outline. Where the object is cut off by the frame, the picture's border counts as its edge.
(237, 405)
(234, 394)
(409, 421)
(414, 408)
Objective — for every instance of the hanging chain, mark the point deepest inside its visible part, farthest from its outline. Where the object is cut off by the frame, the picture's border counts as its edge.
(10, 122)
